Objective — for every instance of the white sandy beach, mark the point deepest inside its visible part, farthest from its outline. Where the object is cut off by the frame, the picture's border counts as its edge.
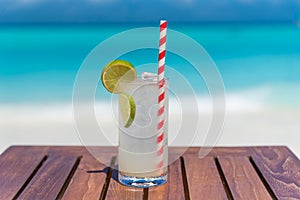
(53, 124)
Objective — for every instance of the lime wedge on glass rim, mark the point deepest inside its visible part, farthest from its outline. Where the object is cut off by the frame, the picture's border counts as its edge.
(116, 72)
(114, 75)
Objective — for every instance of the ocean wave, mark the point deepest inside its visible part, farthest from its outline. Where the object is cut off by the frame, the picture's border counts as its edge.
(247, 100)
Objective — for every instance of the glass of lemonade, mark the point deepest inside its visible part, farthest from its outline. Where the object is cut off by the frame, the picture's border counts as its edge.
(143, 124)
(143, 151)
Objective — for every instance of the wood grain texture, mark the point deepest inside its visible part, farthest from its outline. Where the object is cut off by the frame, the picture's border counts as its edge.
(50, 178)
(175, 185)
(204, 181)
(17, 164)
(161, 192)
(118, 191)
(171, 190)
(281, 169)
(243, 181)
(274, 169)
(88, 180)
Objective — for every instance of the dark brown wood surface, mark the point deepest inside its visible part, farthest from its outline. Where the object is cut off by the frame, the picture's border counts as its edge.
(242, 179)
(70, 172)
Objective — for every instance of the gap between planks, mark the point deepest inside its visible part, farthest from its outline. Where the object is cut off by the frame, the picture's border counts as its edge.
(223, 179)
(30, 177)
(108, 178)
(184, 179)
(70, 176)
(262, 178)
(258, 172)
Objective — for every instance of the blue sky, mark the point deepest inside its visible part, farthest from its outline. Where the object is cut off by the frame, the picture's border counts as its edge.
(148, 11)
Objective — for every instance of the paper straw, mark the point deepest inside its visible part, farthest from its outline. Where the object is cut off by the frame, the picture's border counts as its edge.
(161, 96)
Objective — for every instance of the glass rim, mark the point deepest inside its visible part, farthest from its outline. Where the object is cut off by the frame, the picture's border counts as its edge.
(144, 81)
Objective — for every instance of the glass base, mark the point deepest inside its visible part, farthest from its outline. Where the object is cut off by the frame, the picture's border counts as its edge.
(141, 182)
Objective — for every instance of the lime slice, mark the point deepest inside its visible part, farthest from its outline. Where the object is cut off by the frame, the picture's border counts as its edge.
(127, 108)
(115, 73)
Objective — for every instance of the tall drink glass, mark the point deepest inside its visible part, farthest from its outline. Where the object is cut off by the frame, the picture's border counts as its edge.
(143, 155)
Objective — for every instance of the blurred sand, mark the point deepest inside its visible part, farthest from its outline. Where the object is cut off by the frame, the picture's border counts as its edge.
(54, 125)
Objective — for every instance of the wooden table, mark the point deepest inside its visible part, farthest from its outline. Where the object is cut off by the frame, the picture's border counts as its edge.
(57, 172)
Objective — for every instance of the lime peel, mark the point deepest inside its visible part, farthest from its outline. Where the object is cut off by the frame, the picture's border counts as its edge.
(127, 108)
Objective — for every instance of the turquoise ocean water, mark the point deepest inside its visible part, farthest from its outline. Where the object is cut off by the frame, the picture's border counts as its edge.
(39, 63)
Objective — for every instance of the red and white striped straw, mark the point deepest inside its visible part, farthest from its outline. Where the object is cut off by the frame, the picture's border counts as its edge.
(161, 96)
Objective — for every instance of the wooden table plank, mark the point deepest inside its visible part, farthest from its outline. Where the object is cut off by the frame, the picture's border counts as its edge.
(175, 185)
(17, 165)
(159, 193)
(203, 178)
(118, 191)
(173, 189)
(281, 170)
(49, 180)
(88, 180)
(243, 181)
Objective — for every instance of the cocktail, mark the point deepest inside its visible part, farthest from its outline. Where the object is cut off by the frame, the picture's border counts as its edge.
(143, 120)
(143, 150)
